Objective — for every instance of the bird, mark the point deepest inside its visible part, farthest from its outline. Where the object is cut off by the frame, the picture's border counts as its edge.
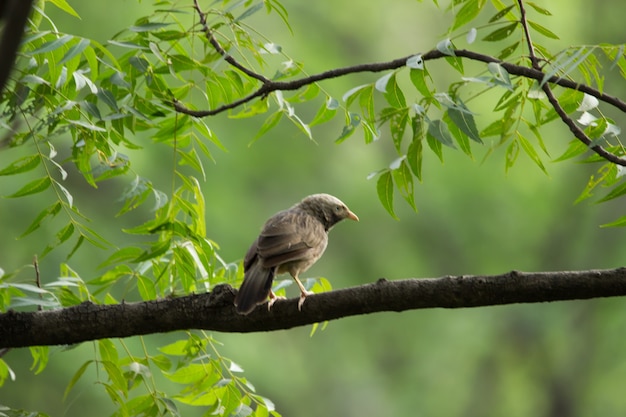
(291, 241)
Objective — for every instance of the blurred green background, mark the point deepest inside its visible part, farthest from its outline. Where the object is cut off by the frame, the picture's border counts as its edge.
(558, 359)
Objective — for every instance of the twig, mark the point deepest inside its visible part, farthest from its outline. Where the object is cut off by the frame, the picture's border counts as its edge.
(37, 279)
(531, 48)
(569, 122)
(216, 45)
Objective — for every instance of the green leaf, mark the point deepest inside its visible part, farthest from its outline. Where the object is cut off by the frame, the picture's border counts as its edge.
(414, 153)
(500, 75)
(77, 245)
(108, 98)
(530, 151)
(75, 378)
(142, 405)
(574, 149)
(539, 9)
(544, 31)
(506, 52)
(370, 132)
(494, 129)
(571, 63)
(75, 50)
(461, 139)
(618, 191)
(352, 121)
(352, 93)
(397, 125)
(177, 348)
(157, 249)
(40, 358)
(384, 187)
(366, 102)
(326, 112)
(49, 211)
(435, 146)
(464, 120)
(148, 27)
(64, 5)
(394, 94)
(593, 182)
(467, 13)
(33, 187)
(116, 376)
(146, 288)
(108, 351)
(24, 164)
(61, 236)
(501, 33)
(52, 45)
(501, 13)
(250, 11)
(87, 125)
(512, 152)
(438, 129)
(190, 374)
(456, 63)
(418, 78)
(621, 222)
(404, 182)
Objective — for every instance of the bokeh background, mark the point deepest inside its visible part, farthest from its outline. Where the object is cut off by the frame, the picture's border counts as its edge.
(557, 359)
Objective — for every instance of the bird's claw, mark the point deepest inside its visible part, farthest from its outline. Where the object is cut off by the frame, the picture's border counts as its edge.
(303, 296)
(273, 299)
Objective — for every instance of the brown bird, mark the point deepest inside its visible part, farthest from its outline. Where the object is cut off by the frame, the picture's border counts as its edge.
(291, 241)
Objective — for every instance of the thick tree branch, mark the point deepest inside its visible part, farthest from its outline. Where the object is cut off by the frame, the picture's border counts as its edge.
(215, 310)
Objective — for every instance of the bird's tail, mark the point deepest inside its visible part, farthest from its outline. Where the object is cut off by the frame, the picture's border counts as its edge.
(256, 286)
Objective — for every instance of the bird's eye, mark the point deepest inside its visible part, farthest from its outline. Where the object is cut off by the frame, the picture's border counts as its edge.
(337, 209)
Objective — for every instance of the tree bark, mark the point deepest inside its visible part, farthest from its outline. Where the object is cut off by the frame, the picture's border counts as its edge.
(215, 310)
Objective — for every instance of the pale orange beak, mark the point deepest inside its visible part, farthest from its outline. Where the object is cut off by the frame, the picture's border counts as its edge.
(353, 216)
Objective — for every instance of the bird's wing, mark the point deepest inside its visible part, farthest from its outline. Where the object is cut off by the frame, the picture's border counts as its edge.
(251, 255)
(288, 236)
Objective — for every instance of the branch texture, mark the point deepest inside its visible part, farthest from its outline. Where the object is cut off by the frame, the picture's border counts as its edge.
(215, 310)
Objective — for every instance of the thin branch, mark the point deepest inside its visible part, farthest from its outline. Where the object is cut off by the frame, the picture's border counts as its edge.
(215, 310)
(578, 132)
(535, 72)
(37, 279)
(568, 121)
(531, 47)
(216, 45)
(434, 54)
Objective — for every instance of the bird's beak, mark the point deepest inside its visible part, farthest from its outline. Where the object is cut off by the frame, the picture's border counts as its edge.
(353, 216)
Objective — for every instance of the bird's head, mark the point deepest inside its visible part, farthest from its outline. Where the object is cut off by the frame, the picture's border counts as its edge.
(327, 208)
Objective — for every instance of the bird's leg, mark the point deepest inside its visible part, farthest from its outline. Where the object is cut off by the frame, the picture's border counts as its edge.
(303, 292)
(273, 298)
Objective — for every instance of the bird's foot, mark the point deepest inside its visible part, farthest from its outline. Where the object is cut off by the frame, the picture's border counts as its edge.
(273, 299)
(303, 296)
